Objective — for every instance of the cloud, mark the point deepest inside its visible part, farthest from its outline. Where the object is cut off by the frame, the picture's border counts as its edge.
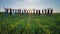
(32, 1)
(24, 4)
(29, 0)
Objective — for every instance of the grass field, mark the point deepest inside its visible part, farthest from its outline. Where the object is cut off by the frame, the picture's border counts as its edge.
(30, 24)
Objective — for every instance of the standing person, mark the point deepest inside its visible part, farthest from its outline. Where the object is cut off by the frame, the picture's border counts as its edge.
(10, 11)
(24, 11)
(13, 11)
(27, 12)
(33, 11)
(39, 11)
(42, 11)
(45, 11)
(18, 11)
(51, 11)
(6, 10)
(48, 11)
(36, 11)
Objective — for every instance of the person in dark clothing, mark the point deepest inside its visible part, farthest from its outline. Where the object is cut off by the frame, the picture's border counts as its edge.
(42, 11)
(36, 11)
(39, 11)
(10, 11)
(48, 11)
(45, 11)
(51, 11)
(24, 11)
(19, 11)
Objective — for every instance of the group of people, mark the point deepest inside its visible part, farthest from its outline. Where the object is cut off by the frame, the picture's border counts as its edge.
(28, 11)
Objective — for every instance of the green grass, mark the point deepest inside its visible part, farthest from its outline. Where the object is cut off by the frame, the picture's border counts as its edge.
(29, 24)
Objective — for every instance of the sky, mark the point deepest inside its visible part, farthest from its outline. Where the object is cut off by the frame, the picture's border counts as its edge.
(37, 4)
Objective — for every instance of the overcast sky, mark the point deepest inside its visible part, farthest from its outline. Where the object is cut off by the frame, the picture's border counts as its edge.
(38, 4)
